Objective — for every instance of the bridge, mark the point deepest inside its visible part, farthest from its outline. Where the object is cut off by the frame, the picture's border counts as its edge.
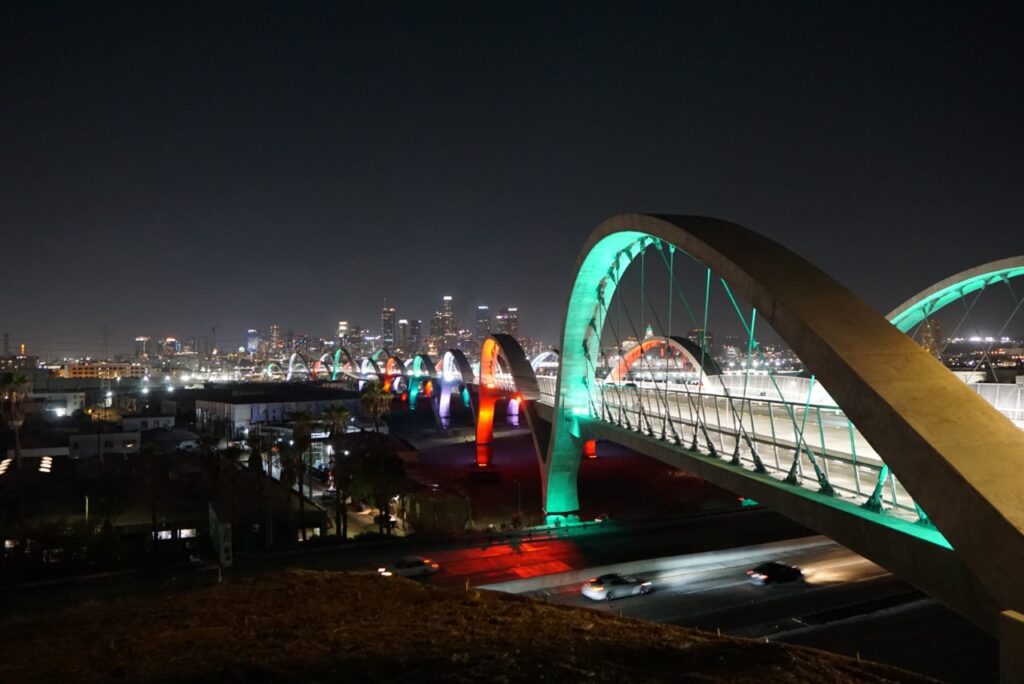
(869, 440)
(875, 444)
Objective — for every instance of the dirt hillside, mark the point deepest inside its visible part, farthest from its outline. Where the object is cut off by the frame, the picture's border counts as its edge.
(325, 627)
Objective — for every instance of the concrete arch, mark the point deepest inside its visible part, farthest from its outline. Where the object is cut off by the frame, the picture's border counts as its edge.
(272, 366)
(333, 362)
(456, 374)
(958, 457)
(296, 360)
(948, 290)
(420, 370)
(697, 357)
(549, 356)
(420, 365)
(496, 348)
(369, 366)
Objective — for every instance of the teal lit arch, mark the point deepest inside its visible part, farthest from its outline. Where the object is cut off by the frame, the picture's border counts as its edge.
(924, 304)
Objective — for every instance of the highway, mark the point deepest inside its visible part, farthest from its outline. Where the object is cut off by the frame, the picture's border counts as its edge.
(845, 604)
(716, 594)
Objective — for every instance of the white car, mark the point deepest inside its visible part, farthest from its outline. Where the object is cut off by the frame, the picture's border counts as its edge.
(410, 566)
(613, 586)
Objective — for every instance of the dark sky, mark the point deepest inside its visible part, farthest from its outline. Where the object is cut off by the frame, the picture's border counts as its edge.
(167, 167)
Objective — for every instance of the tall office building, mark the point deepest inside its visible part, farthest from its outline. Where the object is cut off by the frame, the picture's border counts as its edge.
(387, 326)
(276, 341)
(415, 343)
(508, 321)
(342, 330)
(142, 348)
(252, 341)
(931, 337)
(448, 315)
(483, 325)
(436, 341)
(403, 336)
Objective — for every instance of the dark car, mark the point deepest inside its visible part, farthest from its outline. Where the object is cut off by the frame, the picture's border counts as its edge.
(774, 572)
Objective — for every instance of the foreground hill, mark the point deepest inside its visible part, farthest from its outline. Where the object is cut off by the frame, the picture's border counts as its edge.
(326, 626)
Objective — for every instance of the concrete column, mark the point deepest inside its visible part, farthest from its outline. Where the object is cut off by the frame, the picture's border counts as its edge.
(1011, 647)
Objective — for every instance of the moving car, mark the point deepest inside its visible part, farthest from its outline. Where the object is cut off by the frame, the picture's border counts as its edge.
(410, 566)
(773, 572)
(613, 586)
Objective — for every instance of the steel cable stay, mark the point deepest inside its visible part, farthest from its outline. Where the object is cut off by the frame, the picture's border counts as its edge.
(701, 373)
(650, 369)
(963, 318)
(667, 334)
(751, 345)
(986, 354)
(642, 409)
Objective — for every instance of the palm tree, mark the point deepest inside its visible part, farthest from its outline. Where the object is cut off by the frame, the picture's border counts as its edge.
(301, 436)
(337, 418)
(12, 393)
(376, 402)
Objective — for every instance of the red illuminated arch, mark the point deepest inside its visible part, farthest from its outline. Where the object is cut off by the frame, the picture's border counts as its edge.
(698, 358)
(506, 348)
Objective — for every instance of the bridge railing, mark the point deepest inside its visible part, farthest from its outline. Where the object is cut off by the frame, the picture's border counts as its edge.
(805, 443)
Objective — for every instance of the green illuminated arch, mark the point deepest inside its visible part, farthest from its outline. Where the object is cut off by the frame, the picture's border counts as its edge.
(952, 451)
(921, 306)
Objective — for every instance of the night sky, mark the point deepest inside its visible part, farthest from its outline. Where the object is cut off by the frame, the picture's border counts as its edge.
(168, 167)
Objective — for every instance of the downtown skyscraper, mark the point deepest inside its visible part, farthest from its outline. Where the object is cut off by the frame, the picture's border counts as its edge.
(387, 326)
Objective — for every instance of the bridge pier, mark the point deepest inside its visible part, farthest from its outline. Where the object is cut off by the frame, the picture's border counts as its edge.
(1011, 647)
(484, 453)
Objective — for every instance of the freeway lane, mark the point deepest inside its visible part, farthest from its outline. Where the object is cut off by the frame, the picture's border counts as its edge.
(720, 597)
(846, 604)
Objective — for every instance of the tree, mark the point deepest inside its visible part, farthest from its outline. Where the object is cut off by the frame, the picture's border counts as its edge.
(302, 430)
(256, 466)
(337, 418)
(376, 403)
(13, 387)
(378, 474)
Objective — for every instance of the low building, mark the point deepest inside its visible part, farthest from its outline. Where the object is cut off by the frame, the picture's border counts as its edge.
(232, 409)
(105, 442)
(111, 370)
(142, 422)
(60, 404)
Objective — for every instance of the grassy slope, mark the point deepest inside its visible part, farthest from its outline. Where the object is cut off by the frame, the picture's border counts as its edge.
(324, 626)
